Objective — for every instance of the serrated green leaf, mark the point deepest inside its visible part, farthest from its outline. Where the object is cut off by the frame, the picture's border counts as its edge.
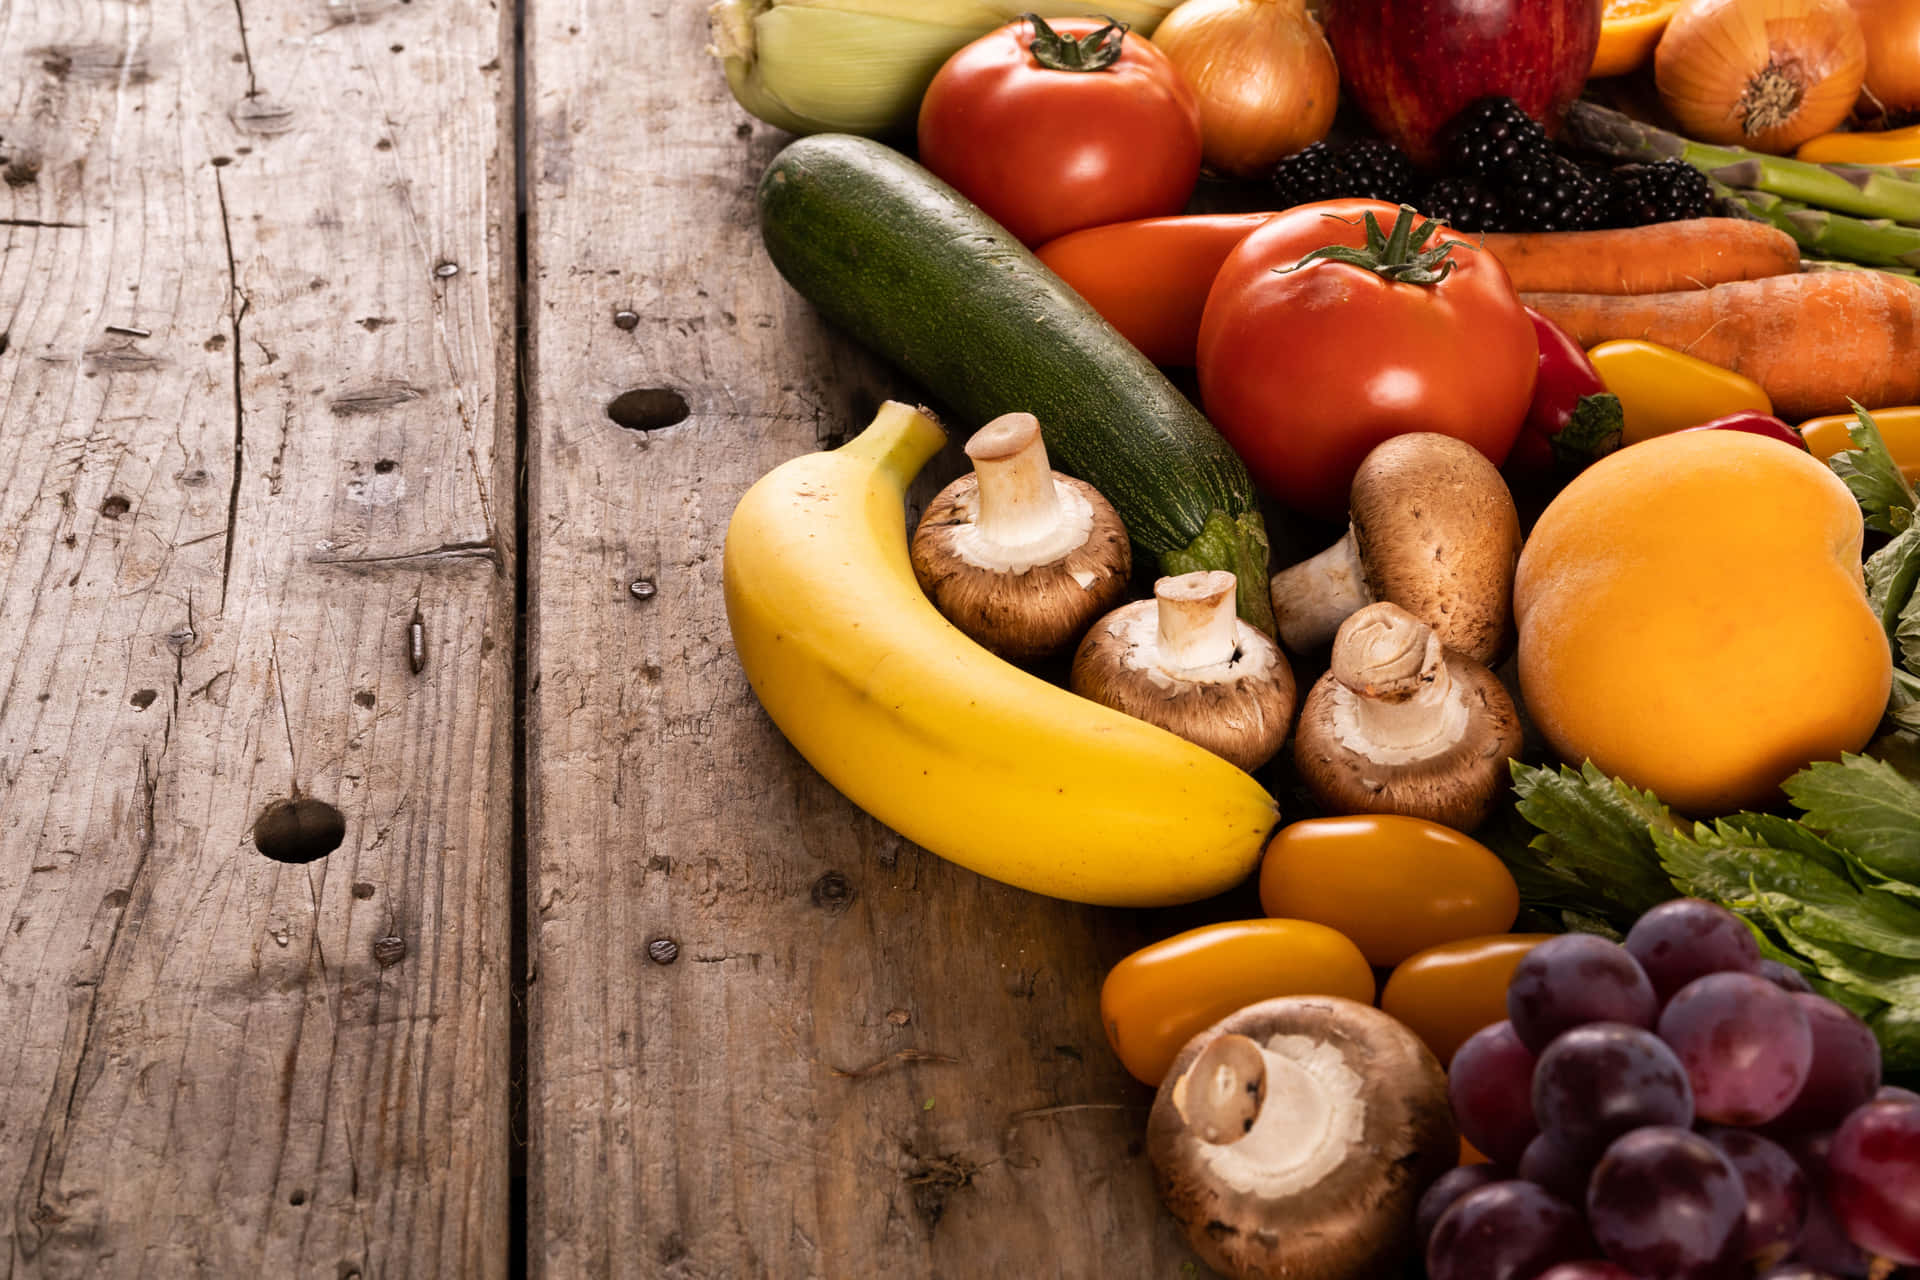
(1906, 632)
(1903, 708)
(1596, 830)
(1866, 807)
(1734, 863)
(1891, 574)
(1885, 497)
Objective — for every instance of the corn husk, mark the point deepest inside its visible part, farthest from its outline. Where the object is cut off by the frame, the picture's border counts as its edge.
(861, 66)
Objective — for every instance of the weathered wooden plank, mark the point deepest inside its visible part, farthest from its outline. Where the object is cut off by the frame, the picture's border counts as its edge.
(217, 523)
(864, 1061)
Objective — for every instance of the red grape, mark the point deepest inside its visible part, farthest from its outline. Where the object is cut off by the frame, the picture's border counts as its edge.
(1446, 1189)
(1844, 1073)
(1795, 1271)
(1873, 1179)
(1690, 938)
(1784, 976)
(1490, 1085)
(1777, 1193)
(1667, 1202)
(1504, 1231)
(1548, 1163)
(1894, 1093)
(1600, 1081)
(1823, 1241)
(1572, 980)
(1588, 1271)
(1745, 1042)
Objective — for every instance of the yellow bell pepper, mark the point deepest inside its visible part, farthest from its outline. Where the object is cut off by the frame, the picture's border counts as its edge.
(1891, 146)
(1662, 390)
(1899, 427)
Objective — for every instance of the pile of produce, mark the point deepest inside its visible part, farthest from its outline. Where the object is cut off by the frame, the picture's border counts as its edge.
(1490, 438)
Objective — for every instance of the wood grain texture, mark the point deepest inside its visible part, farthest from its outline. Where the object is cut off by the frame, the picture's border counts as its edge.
(864, 1061)
(214, 535)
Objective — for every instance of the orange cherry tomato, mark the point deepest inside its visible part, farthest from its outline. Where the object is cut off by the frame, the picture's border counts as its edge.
(1393, 885)
(1161, 996)
(1448, 992)
(1470, 1154)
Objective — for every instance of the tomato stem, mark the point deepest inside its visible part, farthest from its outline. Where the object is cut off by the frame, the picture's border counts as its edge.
(1402, 256)
(1095, 51)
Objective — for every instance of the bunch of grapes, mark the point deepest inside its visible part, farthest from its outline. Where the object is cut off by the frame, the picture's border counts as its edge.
(1674, 1108)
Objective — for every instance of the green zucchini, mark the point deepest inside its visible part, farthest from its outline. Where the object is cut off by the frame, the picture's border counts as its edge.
(915, 271)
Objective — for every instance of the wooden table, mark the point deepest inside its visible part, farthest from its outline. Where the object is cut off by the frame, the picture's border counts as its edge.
(376, 380)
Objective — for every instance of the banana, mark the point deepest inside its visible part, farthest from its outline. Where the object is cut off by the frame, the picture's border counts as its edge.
(957, 750)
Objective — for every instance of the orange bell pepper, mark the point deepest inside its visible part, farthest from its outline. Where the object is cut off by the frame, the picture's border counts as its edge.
(1899, 428)
(1150, 277)
(1899, 147)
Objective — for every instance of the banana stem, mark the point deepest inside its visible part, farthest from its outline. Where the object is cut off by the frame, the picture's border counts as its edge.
(1872, 191)
(901, 440)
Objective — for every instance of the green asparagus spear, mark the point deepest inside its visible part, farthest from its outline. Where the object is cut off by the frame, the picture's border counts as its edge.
(1873, 242)
(1871, 191)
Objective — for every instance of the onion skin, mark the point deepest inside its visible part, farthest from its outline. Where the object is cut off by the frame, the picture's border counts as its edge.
(1263, 73)
(1761, 74)
(1892, 31)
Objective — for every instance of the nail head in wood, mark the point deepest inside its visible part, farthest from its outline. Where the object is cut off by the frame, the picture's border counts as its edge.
(446, 270)
(663, 951)
(390, 950)
(641, 589)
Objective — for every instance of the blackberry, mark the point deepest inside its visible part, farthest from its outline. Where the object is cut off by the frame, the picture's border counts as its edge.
(1664, 191)
(1464, 204)
(1555, 194)
(1378, 170)
(1493, 138)
(1311, 173)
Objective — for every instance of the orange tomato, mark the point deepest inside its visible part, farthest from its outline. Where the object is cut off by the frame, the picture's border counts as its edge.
(1448, 992)
(1394, 885)
(1470, 1154)
(1161, 996)
(1899, 431)
(1629, 29)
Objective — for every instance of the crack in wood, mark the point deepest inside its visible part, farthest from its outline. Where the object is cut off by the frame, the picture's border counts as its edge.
(473, 549)
(236, 310)
(246, 51)
(37, 222)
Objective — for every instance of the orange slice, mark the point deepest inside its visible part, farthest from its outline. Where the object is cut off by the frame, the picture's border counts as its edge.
(1628, 31)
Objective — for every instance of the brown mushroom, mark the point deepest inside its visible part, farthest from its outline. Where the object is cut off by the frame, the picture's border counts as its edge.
(1183, 661)
(1434, 530)
(1017, 555)
(1400, 724)
(1296, 1137)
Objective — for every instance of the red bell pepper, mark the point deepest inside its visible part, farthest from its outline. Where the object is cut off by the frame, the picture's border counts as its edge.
(1759, 424)
(1573, 418)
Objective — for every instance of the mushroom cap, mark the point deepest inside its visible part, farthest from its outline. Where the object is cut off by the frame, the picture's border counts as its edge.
(1240, 710)
(1456, 781)
(1268, 1200)
(1041, 609)
(1439, 536)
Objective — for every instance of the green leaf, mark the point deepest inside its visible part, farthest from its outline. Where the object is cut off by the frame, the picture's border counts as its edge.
(1906, 632)
(1904, 707)
(1866, 807)
(1897, 1027)
(1884, 495)
(1596, 830)
(1891, 574)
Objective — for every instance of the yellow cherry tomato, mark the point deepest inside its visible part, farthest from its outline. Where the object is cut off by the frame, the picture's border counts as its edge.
(1161, 996)
(1899, 427)
(1899, 147)
(1662, 390)
(1448, 992)
(1394, 885)
(1628, 31)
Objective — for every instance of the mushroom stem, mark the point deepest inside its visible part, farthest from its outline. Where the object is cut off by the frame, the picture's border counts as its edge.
(1019, 504)
(1401, 704)
(1196, 619)
(1311, 599)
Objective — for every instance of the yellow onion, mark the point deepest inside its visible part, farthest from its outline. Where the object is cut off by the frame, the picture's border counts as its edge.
(1892, 29)
(1263, 73)
(1764, 74)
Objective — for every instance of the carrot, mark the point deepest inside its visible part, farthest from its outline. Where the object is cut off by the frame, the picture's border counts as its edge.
(1149, 278)
(1659, 258)
(1812, 340)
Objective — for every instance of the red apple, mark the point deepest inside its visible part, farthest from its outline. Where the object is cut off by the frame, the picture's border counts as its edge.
(1412, 65)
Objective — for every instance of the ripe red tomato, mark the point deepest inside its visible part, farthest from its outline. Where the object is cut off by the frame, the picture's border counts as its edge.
(1306, 368)
(1047, 150)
